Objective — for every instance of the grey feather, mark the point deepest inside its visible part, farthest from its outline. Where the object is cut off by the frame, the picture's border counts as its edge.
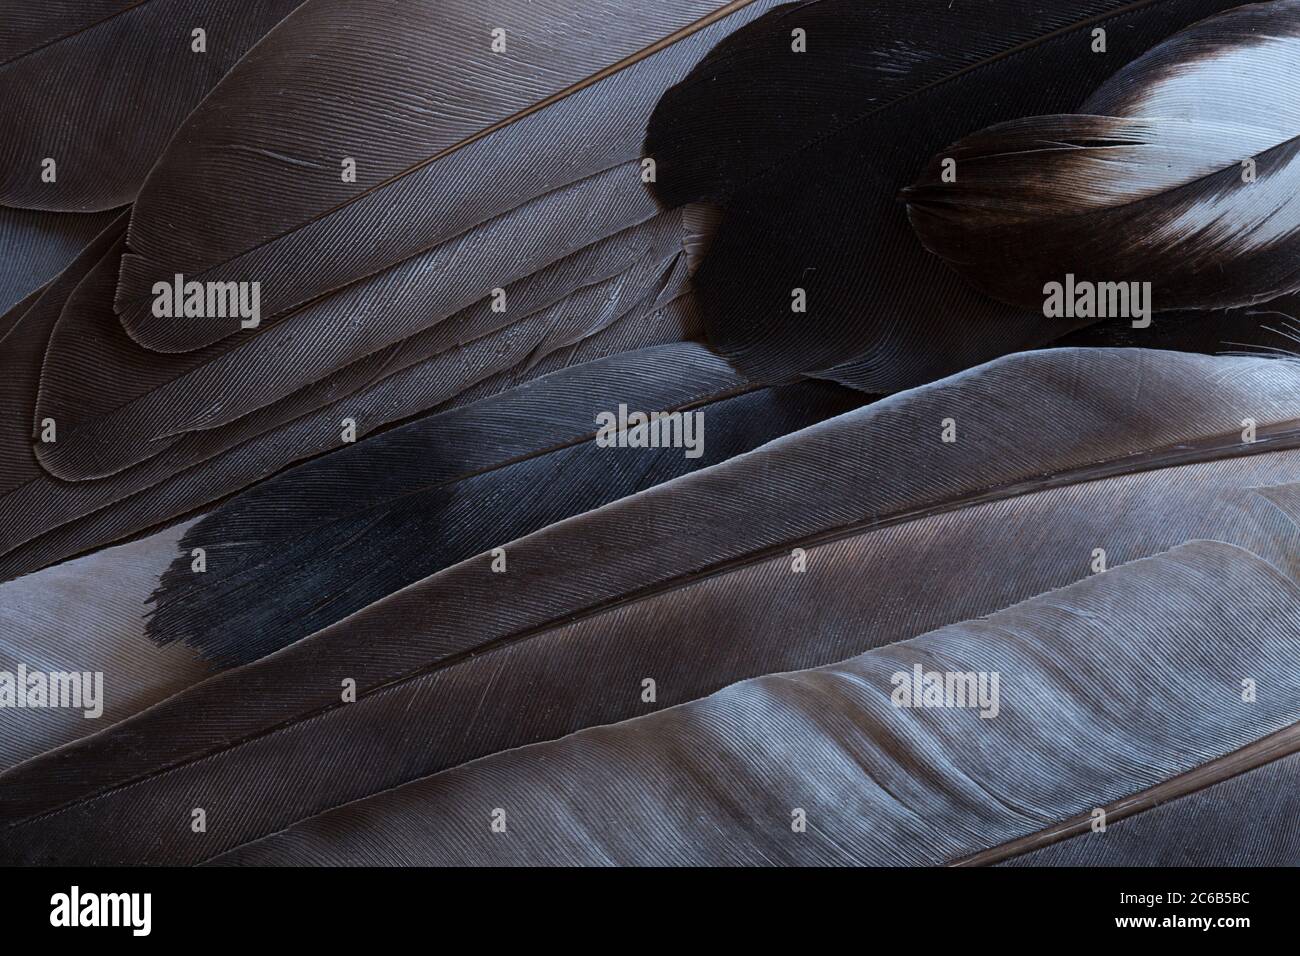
(1116, 684)
(695, 586)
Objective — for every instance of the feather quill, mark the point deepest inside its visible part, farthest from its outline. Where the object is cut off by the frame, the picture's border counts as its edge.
(1059, 453)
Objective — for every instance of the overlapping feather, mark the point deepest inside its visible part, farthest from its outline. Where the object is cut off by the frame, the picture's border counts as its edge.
(346, 304)
(326, 539)
(804, 154)
(1180, 171)
(515, 168)
(52, 519)
(695, 584)
(99, 87)
(1104, 691)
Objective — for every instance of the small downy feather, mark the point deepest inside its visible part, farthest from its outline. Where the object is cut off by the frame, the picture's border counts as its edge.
(97, 89)
(1180, 172)
(326, 539)
(835, 766)
(804, 126)
(1059, 460)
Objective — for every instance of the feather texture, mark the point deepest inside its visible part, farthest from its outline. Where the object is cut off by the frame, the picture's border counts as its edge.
(121, 405)
(100, 87)
(90, 613)
(48, 520)
(1219, 825)
(1059, 453)
(444, 235)
(88, 617)
(22, 349)
(557, 94)
(1180, 172)
(767, 134)
(328, 308)
(298, 553)
(475, 232)
(89, 514)
(37, 247)
(719, 780)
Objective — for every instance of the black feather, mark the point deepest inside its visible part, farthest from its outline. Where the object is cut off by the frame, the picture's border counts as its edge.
(298, 553)
(806, 153)
(476, 350)
(37, 247)
(1180, 171)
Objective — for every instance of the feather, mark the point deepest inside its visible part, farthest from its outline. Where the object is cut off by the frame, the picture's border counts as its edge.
(422, 371)
(91, 611)
(111, 587)
(74, 76)
(87, 515)
(1224, 824)
(87, 617)
(18, 310)
(130, 403)
(804, 153)
(1271, 328)
(22, 350)
(695, 584)
(459, 231)
(300, 552)
(1179, 172)
(727, 779)
(527, 97)
(119, 405)
(38, 246)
